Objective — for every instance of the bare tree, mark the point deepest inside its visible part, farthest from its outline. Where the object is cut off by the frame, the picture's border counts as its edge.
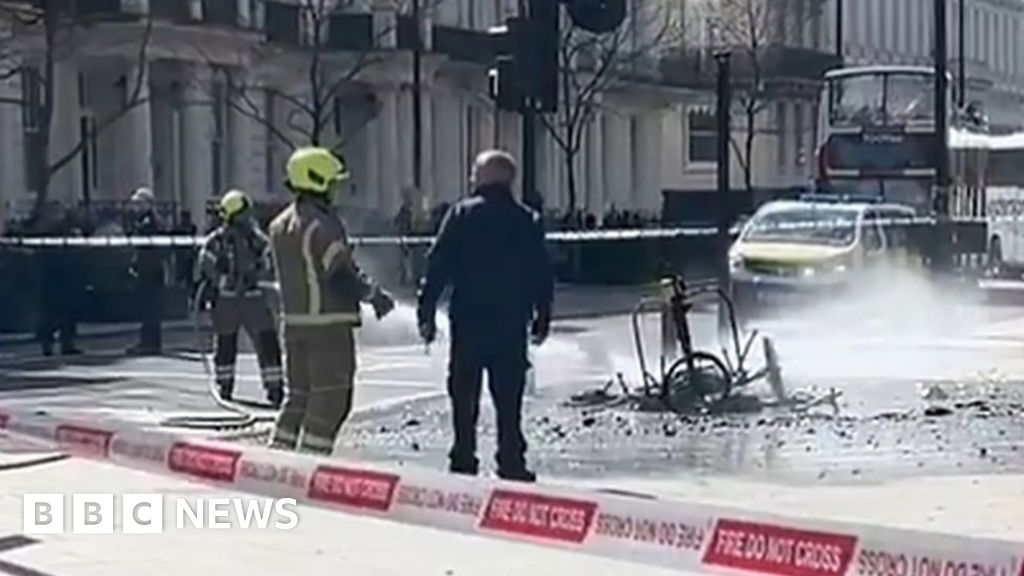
(39, 39)
(590, 64)
(330, 74)
(750, 28)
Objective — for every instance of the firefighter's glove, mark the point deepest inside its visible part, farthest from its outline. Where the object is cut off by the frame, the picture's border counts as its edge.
(382, 303)
(540, 329)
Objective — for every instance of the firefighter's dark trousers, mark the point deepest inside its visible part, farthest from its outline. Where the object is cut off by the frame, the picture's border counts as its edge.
(505, 361)
(321, 370)
(251, 313)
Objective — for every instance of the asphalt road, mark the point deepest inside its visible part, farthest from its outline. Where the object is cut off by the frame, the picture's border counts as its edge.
(883, 352)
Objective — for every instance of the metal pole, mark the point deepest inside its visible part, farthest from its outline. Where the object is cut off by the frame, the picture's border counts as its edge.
(941, 93)
(724, 97)
(962, 54)
(417, 98)
(530, 196)
(839, 29)
(941, 246)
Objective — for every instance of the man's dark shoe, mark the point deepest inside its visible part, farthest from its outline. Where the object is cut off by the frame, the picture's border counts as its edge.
(275, 397)
(464, 469)
(225, 393)
(520, 475)
(70, 351)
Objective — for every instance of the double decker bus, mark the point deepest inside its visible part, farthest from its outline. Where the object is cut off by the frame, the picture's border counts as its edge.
(878, 135)
(877, 127)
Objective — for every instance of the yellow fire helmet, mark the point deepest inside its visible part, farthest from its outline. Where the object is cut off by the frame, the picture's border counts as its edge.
(233, 203)
(314, 170)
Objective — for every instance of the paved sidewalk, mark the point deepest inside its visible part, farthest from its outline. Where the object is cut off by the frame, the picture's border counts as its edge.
(324, 542)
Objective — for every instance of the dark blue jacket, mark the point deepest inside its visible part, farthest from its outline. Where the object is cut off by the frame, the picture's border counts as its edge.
(491, 251)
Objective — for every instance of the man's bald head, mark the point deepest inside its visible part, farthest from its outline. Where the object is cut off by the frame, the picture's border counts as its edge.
(494, 167)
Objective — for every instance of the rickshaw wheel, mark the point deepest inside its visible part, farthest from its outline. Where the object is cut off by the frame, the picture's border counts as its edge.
(708, 384)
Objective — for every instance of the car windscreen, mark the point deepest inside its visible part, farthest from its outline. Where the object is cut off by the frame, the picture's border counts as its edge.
(827, 226)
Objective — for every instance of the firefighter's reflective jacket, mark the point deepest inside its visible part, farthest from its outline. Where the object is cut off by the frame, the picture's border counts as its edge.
(236, 260)
(321, 284)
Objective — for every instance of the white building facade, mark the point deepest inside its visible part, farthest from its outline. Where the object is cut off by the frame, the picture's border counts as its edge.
(992, 31)
(222, 94)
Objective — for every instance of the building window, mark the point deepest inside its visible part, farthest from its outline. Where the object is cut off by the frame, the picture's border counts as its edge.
(701, 137)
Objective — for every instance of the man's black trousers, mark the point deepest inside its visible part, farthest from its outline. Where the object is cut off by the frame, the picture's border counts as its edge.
(504, 360)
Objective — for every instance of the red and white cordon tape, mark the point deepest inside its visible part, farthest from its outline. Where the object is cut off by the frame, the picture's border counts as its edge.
(687, 537)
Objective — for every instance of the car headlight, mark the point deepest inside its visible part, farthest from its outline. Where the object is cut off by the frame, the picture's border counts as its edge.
(808, 271)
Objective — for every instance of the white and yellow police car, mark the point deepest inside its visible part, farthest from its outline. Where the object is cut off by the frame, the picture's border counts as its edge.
(790, 250)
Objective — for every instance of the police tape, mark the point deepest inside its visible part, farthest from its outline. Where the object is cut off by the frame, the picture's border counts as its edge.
(189, 241)
(171, 241)
(679, 535)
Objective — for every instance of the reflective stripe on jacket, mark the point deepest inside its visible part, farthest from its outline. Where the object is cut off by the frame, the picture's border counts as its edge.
(321, 285)
(237, 260)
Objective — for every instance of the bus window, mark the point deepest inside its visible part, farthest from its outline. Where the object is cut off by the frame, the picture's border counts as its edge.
(909, 98)
(857, 101)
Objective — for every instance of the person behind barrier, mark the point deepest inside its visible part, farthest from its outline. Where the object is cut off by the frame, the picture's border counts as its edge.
(491, 251)
(147, 270)
(321, 288)
(60, 280)
(235, 266)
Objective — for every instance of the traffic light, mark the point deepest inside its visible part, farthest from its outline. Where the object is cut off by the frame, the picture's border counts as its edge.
(505, 86)
(542, 54)
(526, 71)
(506, 76)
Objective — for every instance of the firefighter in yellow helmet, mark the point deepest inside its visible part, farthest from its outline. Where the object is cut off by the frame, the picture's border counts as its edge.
(321, 290)
(235, 269)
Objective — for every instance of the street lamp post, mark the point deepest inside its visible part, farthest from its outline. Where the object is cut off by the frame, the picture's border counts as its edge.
(962, 54)
(724, 129)
(839, 29)
(417, 97)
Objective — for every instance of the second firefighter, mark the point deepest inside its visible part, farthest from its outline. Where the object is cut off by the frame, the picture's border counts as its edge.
(235, 265)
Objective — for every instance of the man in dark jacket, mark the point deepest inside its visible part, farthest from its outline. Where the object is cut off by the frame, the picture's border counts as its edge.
(59, 282)
(490, 249)
(148, 271)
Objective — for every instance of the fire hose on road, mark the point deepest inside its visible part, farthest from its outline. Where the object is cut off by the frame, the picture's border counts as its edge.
(239, 414)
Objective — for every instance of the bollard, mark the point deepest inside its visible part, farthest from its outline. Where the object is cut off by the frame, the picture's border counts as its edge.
(669, 339)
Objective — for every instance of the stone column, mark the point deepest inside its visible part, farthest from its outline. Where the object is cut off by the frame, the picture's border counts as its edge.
(12, 150)
(388, 158)
(647, 162)
(446, 148)
(65, 133)
(197, 132)
(428, 177)
(137, 127)
(404, 134)
(618, 161)
(249, 142)
(593, 151)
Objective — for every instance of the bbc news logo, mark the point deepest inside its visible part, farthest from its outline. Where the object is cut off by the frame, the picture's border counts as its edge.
(152, 513)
